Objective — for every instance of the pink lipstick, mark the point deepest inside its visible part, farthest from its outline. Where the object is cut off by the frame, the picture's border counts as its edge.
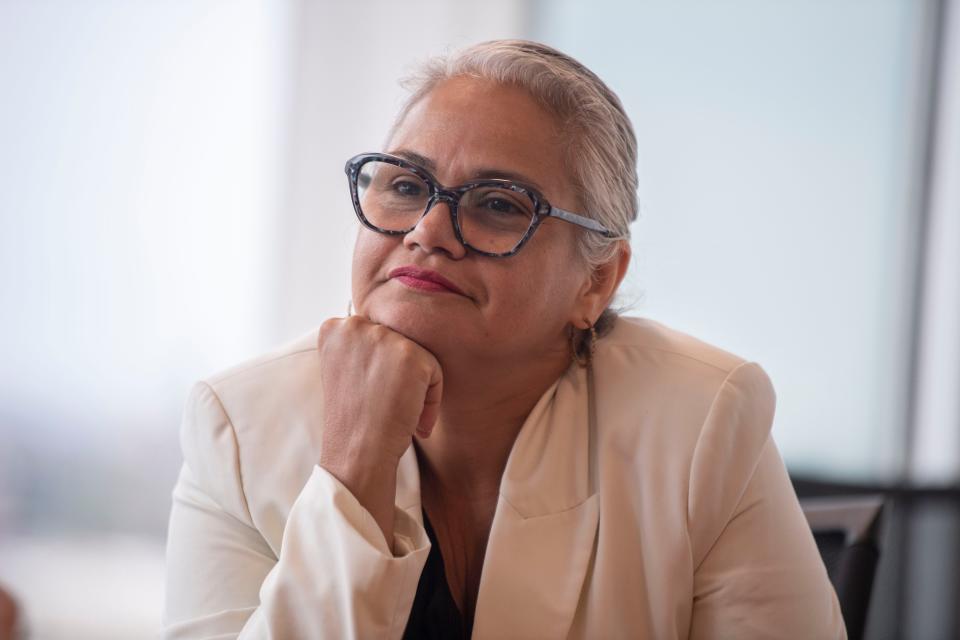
(424, 280)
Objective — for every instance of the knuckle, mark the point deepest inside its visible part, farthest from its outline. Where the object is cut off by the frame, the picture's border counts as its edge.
(408, 351)
(327, 329)
(380, 333)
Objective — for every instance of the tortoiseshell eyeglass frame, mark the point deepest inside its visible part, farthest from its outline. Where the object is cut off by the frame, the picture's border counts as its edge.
(438, 192)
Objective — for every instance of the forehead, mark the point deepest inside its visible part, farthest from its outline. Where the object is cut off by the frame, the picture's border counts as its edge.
(465, 125)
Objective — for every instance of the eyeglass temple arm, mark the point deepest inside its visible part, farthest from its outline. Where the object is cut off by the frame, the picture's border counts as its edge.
(582, 221)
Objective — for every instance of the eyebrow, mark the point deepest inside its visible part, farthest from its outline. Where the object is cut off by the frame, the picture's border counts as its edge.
(479, 174)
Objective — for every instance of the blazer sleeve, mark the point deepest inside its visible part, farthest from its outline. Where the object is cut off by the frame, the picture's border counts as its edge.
(758, 573)
(334, 576)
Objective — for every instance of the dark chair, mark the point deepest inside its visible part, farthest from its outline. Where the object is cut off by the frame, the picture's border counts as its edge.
(847, 533)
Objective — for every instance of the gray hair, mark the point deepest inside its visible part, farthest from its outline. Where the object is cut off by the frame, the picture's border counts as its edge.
(602, 156)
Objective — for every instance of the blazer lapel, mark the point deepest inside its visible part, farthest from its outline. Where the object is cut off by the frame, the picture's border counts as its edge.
(542, 537)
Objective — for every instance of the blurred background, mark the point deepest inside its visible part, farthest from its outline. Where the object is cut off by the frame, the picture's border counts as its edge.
(172, 201)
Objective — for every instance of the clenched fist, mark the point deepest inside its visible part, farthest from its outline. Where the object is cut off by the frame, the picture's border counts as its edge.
(379, 389)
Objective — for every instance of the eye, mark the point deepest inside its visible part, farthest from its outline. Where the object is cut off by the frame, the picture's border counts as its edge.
(497, 207)
(407, 188)
(505, 206)
(500, 205)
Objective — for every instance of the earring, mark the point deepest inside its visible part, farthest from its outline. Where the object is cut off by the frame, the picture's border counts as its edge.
(349, 308)
(583, 344)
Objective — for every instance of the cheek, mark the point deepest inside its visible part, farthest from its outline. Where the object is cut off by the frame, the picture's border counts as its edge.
(369, 254)
(540, 291)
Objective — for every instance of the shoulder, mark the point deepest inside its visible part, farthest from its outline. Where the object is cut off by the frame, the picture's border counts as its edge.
(255, 385)
(643, 353)
(266, 397)
(263, 389)
(691, 419)
(657, 340)
(665, 391)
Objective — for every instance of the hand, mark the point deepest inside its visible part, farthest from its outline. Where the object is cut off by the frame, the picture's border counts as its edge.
(379, 389)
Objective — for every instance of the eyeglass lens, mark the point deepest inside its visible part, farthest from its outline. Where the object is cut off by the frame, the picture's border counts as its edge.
(492, 219)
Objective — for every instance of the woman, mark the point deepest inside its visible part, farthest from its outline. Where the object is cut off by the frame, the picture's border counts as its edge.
(482, 449)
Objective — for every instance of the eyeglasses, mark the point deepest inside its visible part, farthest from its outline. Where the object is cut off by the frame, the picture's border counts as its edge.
(493, 217)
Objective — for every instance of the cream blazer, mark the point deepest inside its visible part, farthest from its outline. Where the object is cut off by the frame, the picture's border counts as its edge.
(684, 525)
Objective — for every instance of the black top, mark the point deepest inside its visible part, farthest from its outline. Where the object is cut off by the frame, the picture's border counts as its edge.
(434, 615)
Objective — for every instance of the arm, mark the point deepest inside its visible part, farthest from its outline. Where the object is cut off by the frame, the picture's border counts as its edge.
(758, 573)
(335, 576)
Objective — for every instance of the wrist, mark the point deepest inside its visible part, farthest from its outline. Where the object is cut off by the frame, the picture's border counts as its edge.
(359, 469)
(374, 485)
(366, 478)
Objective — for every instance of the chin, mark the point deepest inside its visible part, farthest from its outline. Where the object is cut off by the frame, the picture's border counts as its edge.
(423, 323)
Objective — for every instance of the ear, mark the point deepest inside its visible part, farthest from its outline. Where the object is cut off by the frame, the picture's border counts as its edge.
(599, 287)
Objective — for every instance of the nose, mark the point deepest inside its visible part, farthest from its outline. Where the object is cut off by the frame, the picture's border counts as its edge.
(434, 232)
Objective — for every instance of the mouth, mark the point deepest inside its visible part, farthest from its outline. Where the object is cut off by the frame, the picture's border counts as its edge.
(424, 280)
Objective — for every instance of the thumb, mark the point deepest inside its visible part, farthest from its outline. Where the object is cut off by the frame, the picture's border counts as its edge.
(431, 403)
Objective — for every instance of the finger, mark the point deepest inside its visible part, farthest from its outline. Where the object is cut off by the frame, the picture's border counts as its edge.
(431, 402)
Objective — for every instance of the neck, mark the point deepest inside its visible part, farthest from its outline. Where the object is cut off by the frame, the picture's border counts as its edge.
(482, 411)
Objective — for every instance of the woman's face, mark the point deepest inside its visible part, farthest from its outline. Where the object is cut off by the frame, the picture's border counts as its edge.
(516, 307)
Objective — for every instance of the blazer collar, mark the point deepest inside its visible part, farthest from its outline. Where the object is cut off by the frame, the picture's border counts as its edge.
(542, 537)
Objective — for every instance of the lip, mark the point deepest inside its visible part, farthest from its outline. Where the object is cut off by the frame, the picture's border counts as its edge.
(424, 279)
